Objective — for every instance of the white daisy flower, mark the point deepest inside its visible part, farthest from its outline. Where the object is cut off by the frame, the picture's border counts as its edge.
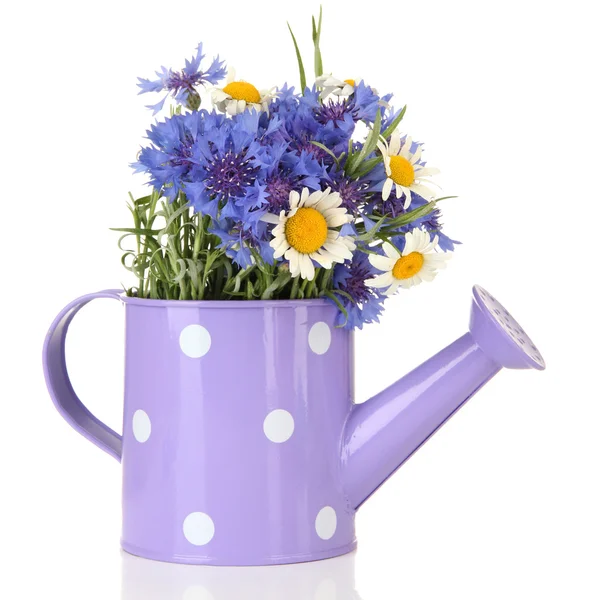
(328, 85)
(404, 169)
(309, 232)
(236, 96)
(417, 263)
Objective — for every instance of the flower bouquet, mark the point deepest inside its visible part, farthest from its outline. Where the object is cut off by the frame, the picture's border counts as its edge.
(266, 210)
(273, 194)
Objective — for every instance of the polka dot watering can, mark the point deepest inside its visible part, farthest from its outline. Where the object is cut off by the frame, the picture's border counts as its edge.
(265, 461)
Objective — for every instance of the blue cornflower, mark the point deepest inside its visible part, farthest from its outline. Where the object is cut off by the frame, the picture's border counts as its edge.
(352, 191)
(286, 169)
(240, 241)
(169, 159)
(362, 303)
(182, 85)
(212, 160)
(227, 173)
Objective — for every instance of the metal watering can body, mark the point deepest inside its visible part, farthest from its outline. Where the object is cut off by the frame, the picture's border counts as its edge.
(242, 444)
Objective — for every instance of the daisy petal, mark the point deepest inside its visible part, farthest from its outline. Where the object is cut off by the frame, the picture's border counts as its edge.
(383, 263)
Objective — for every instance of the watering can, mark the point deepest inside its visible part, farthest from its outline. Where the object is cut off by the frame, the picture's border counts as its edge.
(242, 443)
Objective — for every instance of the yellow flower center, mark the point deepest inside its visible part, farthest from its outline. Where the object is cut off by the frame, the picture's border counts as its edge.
(241, 90)
(350, 82)
(306, 230)
(407, 266)
(402, 171)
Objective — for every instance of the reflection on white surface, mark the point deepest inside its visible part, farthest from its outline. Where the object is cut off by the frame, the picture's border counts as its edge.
(331, 579)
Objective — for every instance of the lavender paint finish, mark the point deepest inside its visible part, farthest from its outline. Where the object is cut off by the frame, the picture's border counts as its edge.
(265, 461)
(208, 452)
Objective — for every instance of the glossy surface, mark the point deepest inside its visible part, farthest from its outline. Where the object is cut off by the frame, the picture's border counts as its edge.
(241, 441)
(247, 406)
(331, 579)
(58, 383)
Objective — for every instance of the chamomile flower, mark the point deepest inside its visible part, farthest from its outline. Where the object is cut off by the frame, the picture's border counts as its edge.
(310, 232)
(236, 96)
(329, 85)
(417, 263)
(404, 169)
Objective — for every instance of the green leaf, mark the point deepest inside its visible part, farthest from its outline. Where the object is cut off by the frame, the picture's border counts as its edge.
(370, 143)
(326, 149)
(135, 230)
(299, 60)
(316, 38)
(345, 294)
(411, 216)
(369, 235)
(395, 123)
(337, 302)
(277, 284)
(367, 167)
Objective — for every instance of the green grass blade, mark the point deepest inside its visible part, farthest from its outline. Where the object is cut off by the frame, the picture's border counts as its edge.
(370, 143)
(299, 60)
(316, 38)
(395, 123)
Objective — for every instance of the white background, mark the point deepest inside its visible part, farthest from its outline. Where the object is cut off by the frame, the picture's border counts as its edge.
(499, 503)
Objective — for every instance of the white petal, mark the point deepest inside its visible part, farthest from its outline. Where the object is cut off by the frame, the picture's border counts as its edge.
(384, 149)
(281, 248)
(381, 281)
(387, 186)
(332, 200)
(427, 275)
(408, 196)
(307, 268)
(304, 197)
(391, 251)
(395, 142)
(337, 220)
(337, 249)
(426, 171)
(383, 263)
(406, 147)
(423, 191)
(323, 259)
(393, 288)
(417, 155)
(270, 218)
(411, 243)
(349, 242)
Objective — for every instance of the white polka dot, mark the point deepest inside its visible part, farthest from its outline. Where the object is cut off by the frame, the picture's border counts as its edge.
(279, 426)
(197, 592)
(326, 523)
(198, 528)
(141, 426)
(326, 590)
(195, 341)
(320, 337)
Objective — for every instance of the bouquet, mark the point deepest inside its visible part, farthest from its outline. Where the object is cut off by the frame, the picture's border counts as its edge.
(277, 194)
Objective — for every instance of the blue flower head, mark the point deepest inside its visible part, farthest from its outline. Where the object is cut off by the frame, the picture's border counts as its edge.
(182, 85)
(362, 303)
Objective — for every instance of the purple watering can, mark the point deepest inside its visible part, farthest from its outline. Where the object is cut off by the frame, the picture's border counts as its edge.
(241, 441)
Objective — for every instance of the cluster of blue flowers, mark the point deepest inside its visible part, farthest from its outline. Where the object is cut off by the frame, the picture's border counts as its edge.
(238, 169)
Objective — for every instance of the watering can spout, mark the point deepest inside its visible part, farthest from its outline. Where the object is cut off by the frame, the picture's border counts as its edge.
(383, 432)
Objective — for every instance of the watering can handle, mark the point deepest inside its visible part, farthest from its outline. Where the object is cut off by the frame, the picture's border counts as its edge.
(58, 382)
